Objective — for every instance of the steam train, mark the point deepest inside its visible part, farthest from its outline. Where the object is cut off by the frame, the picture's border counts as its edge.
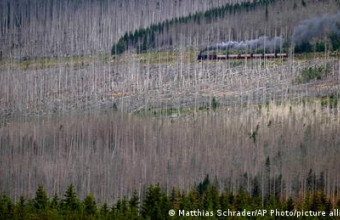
(202, 56)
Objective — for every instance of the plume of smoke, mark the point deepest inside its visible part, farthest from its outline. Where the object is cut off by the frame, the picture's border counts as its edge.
(316, 28)
(262, 42)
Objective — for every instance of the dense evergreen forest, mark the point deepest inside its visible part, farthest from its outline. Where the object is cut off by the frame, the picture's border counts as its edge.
(205, 201)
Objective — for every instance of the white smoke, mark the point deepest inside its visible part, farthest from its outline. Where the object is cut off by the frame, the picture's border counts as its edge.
(262, 42)
(313, 28)
(316, 28)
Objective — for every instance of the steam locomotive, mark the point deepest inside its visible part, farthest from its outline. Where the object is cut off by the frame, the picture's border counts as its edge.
(202, 56)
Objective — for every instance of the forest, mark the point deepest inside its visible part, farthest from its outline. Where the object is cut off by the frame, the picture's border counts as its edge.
(224, 24)
(106, 112)
(155, 204)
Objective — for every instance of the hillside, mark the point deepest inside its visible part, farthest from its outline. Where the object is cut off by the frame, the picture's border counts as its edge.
(240, 22)
(266, 129)
(34, 28)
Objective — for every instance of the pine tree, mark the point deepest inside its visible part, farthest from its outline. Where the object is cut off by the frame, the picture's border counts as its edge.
(134, 204)
(214, 103)
(70, 201)
(203, 186)
(327, 204)
(194, 200)
(224, 201)
(113, 212)
(55, 203)
(213, 191)
(155, 204)
(22, 208)
(118, 206)
(185, 202)
(307, 201)
(175, 199)
(6, 207)
(124, 206)
(41, 199)
(241, 200)
(90, 205)
(256, 192)
(165, 205)
(104, 210)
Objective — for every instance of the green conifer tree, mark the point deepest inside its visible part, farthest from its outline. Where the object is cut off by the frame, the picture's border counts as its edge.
(203, 186)
(124, 206)
(21, 208)
(154, 204)
(41, 199)
(175, 199)
(55, 203)
(90, 206)
(134, 204)
(71, 201)
(104, 211)
(6, 207)
(226, 200)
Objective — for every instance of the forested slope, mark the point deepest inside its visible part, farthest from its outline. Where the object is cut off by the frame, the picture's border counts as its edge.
(31, 28)
(243, 21)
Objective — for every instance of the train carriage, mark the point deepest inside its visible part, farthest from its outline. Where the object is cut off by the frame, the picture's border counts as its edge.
(202, 56)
